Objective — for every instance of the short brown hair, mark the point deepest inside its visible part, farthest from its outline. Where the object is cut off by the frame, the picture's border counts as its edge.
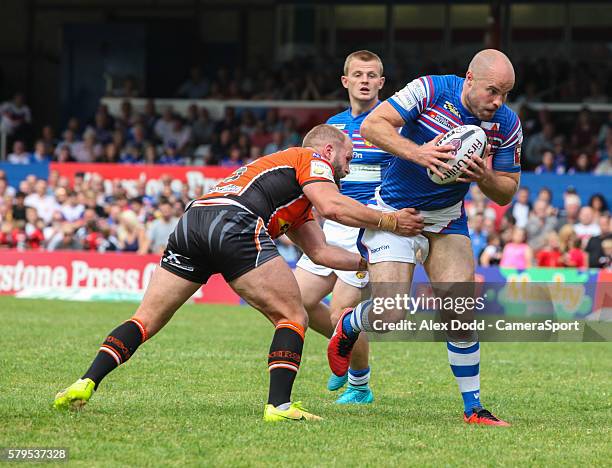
(323, 134)
(364, 55)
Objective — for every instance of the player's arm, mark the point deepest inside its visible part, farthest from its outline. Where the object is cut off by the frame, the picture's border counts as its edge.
(501, 181)
(500, 186)
(331, 204)
(380, 128)
(311, 239)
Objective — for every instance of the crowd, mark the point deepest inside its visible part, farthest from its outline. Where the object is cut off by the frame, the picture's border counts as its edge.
(91, 215)
(97, 215)
(536, 234)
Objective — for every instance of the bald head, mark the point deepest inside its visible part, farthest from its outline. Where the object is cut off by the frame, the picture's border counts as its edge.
(489, 62)
(489, 79)
(324, 134)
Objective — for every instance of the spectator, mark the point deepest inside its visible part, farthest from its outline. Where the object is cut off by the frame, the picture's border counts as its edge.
(572, 256)
(40, 153)
(517, 254)
(19, 154)
(179, 135)
(68, 239)
(149, 118)
(150, 154)
(542, 222)
(130, 154)
(584, 135)
(549, 165)
(599, 205)
(64, 154)
(521, 207)
(15, 116)
(581, 166)
(71, 209)
(477, 234)
(49, 139)
(569, 214)
(171, 156)
(277, 143)
(606, 258)
(550, 255)
(203, 128)
(586, 227)
(19, 208)
(594, 247)
(44, 203)
(537, 144)
(163, 126)
(159, 230)
(88, 151)
(129, 232)
(110, 154)
(196, 87)
(234, 159)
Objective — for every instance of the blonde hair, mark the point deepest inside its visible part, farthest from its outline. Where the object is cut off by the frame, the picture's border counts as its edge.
(363, 55)
(566, 236)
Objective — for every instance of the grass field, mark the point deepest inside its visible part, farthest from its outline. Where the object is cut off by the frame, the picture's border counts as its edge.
(194, 395)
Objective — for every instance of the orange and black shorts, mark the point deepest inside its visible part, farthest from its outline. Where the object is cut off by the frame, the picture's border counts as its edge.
(224, 239)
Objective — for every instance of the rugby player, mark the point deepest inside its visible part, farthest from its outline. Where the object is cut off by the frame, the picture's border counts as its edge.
(363, 78)
(425, 109)
(230, 231)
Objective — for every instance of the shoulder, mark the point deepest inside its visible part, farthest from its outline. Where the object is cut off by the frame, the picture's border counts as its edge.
(509, 124)
(339, 118)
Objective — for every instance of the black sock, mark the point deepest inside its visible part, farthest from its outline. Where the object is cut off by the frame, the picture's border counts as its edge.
(118, 347)
(284, 361)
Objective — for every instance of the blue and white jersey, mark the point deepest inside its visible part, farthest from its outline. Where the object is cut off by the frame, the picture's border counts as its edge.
(369, 163)
(431, 105)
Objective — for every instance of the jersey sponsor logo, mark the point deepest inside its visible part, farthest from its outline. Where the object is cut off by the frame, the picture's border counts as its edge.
(378, 249)
(235, 175)
(517, 155)
(338, 126)
(283, 225)
(494, 126)
(417, 88)
(321, 169)
(449, 106)
(173, 259)
(446, 123)
(227, 189)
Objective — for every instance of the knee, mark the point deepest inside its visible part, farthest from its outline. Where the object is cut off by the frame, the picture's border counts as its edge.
(296, 314)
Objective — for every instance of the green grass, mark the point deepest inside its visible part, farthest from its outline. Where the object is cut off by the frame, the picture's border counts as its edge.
(194, 395)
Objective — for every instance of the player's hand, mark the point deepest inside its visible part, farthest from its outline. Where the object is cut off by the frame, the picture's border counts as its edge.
(434, 157)
(409, 222)
(476, 170)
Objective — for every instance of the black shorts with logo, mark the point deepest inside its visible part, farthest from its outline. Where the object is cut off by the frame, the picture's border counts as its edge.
(213, 239)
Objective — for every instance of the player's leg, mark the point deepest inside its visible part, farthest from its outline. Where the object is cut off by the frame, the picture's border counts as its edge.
(456, 278)
(165, 293)
(387, 279)
(272, 289)
(314, 288)
(391, 260)
(345, 295)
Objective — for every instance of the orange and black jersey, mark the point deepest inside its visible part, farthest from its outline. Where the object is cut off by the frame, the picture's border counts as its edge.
(271, 187)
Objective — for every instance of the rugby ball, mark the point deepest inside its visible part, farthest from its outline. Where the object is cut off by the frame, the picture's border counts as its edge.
(468, 141)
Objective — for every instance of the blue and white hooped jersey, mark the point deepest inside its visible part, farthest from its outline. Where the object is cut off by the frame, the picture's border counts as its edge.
(431, 105)
(369, 163)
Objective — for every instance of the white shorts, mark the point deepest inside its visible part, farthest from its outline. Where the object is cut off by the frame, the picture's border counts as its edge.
(383, 246)
(342, 236)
